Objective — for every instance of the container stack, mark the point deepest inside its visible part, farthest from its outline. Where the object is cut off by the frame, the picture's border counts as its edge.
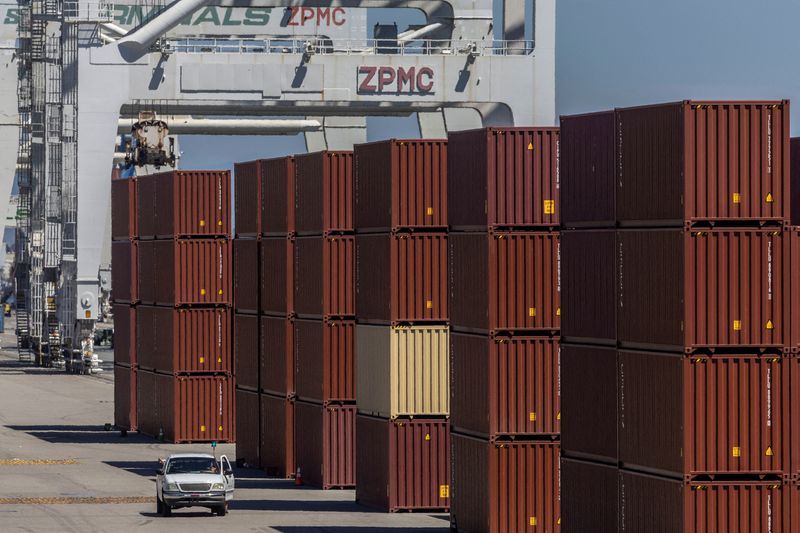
(505, 317)
(676, 274)
(183, 323)
(402, 331)
(324, 319)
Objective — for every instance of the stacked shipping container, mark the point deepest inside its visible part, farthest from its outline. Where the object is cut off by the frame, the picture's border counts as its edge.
(505, 316)
(676, 265)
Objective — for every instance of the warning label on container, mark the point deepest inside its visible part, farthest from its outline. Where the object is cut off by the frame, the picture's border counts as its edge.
(444, 491)
(549, 207)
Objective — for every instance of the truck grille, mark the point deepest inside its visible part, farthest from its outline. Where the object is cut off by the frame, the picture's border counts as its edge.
(195, 487)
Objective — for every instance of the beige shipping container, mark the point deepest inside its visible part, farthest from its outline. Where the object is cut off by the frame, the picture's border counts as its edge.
(403, 370)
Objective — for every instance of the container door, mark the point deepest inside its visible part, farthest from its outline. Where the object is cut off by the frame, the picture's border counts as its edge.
(227, 473)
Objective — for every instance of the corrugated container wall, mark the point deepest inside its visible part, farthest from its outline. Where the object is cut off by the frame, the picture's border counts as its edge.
(588, 170)
(324, 277)
(246, 275)
(247, 198)
(325, 360)
(793, 295)
(503, 178)
(276, 340)
(246, 356)
(795, 180)
(326, 450)
(123, 208)
(125, 262)
(277, 205)
(504, 488)
(695, 161)
(403, 371)
(794, 411)
(277, 276)
(125, 378)
(324, 193)
(248, 429)
(277, 436)
(124, 334)
(505, 282)
(589, 496)
(504, 386)
(402, 278)
(403, 464)
(145, 206)
(401, 184)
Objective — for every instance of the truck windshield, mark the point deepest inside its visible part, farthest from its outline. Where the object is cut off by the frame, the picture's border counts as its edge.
(192, 465)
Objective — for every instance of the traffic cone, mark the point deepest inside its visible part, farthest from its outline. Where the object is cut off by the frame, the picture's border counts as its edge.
(298, 477)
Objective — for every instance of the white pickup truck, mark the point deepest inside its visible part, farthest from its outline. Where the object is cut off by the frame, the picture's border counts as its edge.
(194, 480)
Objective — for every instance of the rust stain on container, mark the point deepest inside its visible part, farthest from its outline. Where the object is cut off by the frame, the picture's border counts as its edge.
(125, 262)
(246, 356)
(277, 205)
(505, 282)
(403, 465)
(248, 428)
(499, 488)
(716, 415)
(325, 360)
(402, 278)
(277, 276)
(401, 184)
(125, 397)
(323, 192)
(125, 334)
(505, 387)
(589, 496)
(277, 355)
(703, 161)
(246, 270)
(326, 451)
(123, 209)
(247, 198)
(324, 276)
(277, 436)
(503, 178)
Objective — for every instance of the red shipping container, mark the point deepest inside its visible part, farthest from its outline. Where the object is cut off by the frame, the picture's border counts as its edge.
(793, 296)
(186, 408)
(401, 184)
(246, 357)
(277, 436)
(324, 276)
(246, 271)
(125, 397)
(277, 206)
(185, 272)
(124, 281)
(184, 341)
(403, 465)
(277, 356)
(401, 278)
(588, 170)
(247, 198)
(695, 161)
(503, 178)
(504, 487)
(124, 334)
(505, 282)
(716, 415)
(589, 496)
(248, 429)
(326, 451)
(794, 154)
(277, 276)
(325, 360)
(123, 209)
(702, 290)
(504, 387)
(794, 413)
(323, 193)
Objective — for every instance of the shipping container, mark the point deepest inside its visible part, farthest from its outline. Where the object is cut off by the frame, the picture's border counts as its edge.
(125, 264)
(325, 445)
(185, 272)
(403, 465)
(504, 487)
(276, 340)
(589, 402)
(401, 278)
(247, 198)
(324, 276)
(124, 334)
(503, 178)
(505, 282)
(246, 351)
(693, 161)
(588, 170)
(650, 503)
(403, 371)
(504, 387)
(125, 397)
(795, 181)
(123, 209)
(702, 290)
(589, 496)
(186, 408)
(184, 203)
(716, 415)
(246, 272)
(277, 205)
(277, 436)
(248, 429)
(277, 276)
(323, 195)
(401, 184)
(794, 413)
(589, 286)
(793, 295)
(184, 341)
(325, 360)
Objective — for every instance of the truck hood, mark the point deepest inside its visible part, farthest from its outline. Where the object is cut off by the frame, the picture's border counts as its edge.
(194, 478)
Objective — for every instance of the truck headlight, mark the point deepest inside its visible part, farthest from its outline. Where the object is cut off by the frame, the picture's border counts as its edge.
(172, 487)
(217, 486)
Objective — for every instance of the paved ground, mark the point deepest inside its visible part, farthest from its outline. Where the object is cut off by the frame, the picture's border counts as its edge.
(55, 456)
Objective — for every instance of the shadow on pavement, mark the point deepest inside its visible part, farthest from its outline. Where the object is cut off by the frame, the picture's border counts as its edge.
(316, 506)
(143, 468)
(358, 529)
(77, 434)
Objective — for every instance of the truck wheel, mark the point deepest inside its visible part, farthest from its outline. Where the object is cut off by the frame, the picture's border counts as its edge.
(159, 505)
(222, 510)
(166, 510)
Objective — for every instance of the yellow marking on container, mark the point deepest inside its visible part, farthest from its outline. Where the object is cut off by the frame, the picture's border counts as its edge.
(202, 223)
(737, 198)
(532, 416)
(427, 436)
(532, 521)
(219, 292)
(558, 311)
(769, 199)
(220, 428)
(549, 207)
(558, 416)
(770, 325)
(429, 211)
(219, 222)
(736, 451)
(428, 304)
(202, 429)
(444, 491)
(530, 146)
(202, 292)
(531, 311)
(768, 453)
(202, 359)
(737, 325)
(219, 359)
(36, 462)
(558, 522)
